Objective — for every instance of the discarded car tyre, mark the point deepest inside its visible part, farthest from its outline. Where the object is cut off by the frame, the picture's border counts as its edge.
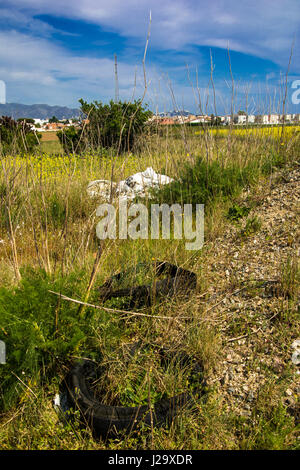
(107, 421)
(177, 281)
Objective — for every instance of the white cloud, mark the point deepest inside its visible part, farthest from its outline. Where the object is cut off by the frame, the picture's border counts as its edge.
(44, 69)
(40, 71)
(265, 29)
(36, 68)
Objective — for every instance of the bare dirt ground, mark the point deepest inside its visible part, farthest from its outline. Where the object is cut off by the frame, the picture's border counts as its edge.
(49, 136)
(256, 307)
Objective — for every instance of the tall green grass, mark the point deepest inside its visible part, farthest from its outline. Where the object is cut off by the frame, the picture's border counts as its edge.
(203, 182)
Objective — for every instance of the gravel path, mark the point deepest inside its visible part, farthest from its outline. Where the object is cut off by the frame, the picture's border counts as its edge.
(258, 316)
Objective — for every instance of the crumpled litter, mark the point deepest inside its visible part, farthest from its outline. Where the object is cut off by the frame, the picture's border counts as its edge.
(296, 352)
(60, 403)
(136, 185)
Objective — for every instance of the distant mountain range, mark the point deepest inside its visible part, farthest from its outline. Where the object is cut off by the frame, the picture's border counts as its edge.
(37, 111)
(175, 113)
(44, 111)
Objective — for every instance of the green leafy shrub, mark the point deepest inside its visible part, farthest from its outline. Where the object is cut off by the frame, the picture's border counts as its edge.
(204, 182)
(41, 332)
(113, 125)
(237, 212)
(71, 140)
(17, 137)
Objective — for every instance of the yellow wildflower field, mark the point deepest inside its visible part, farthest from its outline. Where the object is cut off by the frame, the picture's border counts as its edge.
(267, 131)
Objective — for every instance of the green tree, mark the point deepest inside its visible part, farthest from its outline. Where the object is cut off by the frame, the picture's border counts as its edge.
(53, 119)
(113, 125)
(71, 140)
(16, 136)
(215, 120)
(27, 120)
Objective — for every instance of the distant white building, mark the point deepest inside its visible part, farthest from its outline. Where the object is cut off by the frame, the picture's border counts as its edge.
(41, 122)
(241, 119)
(265, 119)
(202, 118)
(270, 119)
(285, 117)
(273, 119)
(196, 121)
(251, 118)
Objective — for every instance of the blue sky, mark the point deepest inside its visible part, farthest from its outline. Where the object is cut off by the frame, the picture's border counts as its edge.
(58, 51)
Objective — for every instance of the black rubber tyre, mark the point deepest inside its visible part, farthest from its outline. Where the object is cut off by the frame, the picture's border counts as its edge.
(107, 421)
(177, 281)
